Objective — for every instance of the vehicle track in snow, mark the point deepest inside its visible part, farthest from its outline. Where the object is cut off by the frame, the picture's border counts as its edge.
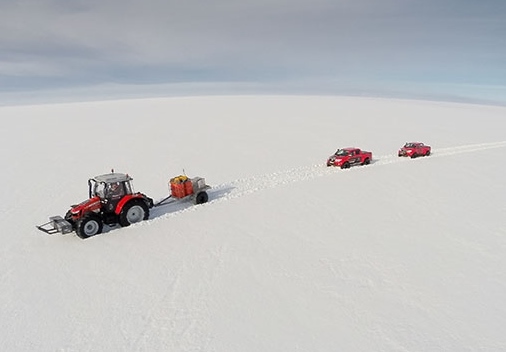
(241, 187)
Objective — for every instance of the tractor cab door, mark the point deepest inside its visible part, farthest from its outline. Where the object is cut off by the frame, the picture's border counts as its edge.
(115, 190)
(113, 193)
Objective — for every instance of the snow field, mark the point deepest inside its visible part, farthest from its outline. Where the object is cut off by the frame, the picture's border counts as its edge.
(400, 255)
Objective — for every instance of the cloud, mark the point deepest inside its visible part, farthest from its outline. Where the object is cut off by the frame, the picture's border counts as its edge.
(30, 68)
(161, 41)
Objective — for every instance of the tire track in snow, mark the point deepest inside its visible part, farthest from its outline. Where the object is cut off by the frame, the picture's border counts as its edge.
(241, 187)
(469, 148)
(245, 186)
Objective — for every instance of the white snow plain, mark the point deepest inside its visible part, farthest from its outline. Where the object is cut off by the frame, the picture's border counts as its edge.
(288, 255)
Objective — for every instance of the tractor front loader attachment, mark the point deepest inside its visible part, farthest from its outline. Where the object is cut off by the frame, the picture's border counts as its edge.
(56, 224)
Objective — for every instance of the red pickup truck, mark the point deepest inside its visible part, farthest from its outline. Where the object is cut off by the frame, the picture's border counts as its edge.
(414, 149)
(348, 157)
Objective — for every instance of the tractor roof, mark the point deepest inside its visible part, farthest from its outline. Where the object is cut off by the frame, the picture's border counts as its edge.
(112, 177)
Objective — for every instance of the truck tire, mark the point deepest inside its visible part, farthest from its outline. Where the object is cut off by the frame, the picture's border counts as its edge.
(427, 153)
(89, 225)
(346, 165)
(201, 197)
(134, 211)
(414, 155)
(366, 161)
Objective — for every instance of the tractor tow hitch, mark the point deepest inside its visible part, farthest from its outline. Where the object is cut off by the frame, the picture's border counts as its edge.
(163, 201)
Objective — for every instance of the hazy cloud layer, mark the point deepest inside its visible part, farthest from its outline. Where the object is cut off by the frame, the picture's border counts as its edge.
(54, 43)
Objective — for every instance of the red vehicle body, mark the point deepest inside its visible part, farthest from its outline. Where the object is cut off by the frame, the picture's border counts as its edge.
(414, 149)
(111, 200)
(347, 157)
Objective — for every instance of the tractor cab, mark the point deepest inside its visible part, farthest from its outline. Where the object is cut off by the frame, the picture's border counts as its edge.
(111, 186)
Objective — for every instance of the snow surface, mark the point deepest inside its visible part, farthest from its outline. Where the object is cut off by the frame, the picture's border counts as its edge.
(288, 255)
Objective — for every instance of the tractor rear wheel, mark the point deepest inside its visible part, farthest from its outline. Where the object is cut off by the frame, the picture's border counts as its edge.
(201, 198)
(89, 225)
(134, 211)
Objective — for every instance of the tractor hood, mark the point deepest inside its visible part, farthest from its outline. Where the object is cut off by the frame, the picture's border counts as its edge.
(91, 204)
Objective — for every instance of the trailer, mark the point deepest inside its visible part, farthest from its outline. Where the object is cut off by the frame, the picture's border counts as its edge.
(182, 187)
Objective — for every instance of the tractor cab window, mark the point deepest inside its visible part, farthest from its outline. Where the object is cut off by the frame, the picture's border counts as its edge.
(115, 190)
(99, 190)
(128, 188)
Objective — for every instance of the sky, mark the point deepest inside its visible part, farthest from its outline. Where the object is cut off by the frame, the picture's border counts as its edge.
(452, 47)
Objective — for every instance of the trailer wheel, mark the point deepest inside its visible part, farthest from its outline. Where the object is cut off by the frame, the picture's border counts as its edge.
(134, 211)
(201, 198)
(89, 225)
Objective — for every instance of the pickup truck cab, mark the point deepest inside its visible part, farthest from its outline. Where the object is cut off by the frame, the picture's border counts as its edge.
(347, 157)
(414, 149)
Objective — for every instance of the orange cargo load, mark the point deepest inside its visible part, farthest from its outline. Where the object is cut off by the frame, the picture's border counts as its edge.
(177, 190)
(188, 187)
(180, 186)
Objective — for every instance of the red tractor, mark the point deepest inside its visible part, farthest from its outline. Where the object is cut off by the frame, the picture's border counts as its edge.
(111, 201)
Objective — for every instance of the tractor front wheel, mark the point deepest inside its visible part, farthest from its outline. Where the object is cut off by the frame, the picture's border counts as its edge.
(89, 225)
(134, 211)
